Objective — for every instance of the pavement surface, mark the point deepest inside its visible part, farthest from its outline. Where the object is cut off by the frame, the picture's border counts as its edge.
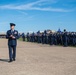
(38, 59)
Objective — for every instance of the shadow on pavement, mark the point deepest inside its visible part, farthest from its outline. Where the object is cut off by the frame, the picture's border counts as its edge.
(4, 60)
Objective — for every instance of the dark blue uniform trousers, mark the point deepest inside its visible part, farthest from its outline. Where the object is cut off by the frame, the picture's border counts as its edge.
(12, 52)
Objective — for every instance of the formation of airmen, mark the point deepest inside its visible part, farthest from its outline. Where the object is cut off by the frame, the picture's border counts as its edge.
(57, 38)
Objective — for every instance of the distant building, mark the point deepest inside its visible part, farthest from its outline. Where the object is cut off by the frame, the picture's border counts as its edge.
(50, 31)
(2, 35)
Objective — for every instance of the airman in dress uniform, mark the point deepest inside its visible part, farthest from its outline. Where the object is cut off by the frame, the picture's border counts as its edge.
(12, 36)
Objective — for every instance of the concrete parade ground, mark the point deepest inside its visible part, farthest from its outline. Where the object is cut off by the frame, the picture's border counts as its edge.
(38, 59)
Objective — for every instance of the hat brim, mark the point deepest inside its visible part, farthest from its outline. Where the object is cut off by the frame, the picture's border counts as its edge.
(12, 25)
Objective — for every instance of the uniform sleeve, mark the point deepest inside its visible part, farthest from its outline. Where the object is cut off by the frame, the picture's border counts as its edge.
(17, 36)
(7, 35)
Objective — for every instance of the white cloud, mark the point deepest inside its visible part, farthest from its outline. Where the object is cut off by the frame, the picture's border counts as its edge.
(32, 6)
(50, 9)
(22, 12)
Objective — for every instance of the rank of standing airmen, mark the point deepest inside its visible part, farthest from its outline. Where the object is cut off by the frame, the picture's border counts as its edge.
(57, 38)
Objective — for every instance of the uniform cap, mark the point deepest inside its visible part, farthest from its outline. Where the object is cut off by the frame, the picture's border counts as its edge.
(12, 24)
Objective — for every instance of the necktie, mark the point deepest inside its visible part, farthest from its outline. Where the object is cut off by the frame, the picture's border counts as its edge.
(12, 32)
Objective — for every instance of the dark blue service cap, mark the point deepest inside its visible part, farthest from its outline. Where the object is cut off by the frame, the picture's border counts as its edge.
(12, 24)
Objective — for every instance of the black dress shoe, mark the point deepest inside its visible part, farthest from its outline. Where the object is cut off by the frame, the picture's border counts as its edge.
(14, 59)
(10, 61)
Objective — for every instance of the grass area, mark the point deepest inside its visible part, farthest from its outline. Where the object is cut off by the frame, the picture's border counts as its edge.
(20, 39)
